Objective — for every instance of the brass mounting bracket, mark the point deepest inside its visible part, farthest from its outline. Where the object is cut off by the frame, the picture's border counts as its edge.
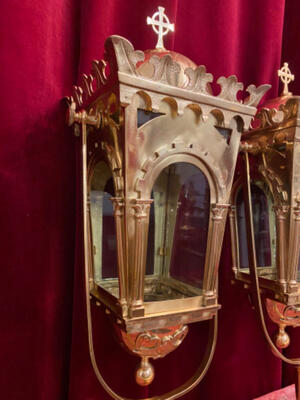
(82, 117)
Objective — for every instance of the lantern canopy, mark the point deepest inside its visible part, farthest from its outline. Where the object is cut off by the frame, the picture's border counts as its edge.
(159, 152)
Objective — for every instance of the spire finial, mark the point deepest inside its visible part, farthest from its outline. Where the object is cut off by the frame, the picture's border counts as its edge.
(286, 77)
(159, 24)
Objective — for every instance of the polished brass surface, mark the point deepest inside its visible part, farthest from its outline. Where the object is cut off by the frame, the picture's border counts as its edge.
(282, 339)
(145, 372)
(187, 125)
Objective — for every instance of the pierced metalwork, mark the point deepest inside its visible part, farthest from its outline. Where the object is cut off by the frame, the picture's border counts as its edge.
(151, 310)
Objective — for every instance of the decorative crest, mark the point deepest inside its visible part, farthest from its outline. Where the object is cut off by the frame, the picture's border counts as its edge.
(161, 23)
(286, 77)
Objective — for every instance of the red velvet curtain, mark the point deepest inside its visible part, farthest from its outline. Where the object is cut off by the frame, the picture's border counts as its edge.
(45, 47)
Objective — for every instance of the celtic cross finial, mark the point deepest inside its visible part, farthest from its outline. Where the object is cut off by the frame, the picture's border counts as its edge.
(161, 26)
(286, 77)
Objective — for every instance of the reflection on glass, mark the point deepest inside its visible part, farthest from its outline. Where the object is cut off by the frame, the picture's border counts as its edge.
(103, 225)
(179, 225)
(264, 231)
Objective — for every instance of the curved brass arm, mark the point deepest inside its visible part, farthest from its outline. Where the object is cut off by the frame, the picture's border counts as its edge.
(201, 371)
(253, 269)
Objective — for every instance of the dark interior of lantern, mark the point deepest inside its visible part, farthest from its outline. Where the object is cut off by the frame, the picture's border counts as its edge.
(264, 230)
(103, 233)
(178, 227)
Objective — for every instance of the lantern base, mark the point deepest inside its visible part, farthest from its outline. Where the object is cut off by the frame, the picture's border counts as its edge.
(155, 343)
(156, 313)
(145, 373)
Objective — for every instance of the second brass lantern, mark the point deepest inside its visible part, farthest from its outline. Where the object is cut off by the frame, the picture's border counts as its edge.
(272, 147)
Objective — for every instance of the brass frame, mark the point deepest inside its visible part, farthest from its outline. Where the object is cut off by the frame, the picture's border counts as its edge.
(136, 156)
(275, 149)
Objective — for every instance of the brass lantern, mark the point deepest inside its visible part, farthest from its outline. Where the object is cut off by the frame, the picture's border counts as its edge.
(265, 213)
(158, 157)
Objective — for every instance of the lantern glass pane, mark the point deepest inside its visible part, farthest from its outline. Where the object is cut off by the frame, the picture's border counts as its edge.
(264, 231)
(103, 234)
(178, 228)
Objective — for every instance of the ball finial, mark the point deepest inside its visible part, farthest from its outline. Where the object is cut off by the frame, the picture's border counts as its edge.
(144, 373)
(282, 339)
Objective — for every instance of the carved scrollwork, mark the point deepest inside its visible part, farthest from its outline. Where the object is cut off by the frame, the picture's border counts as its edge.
(158, 343)
(87, 83)
(266, 117)
(289, 109)
(98, 70)
(229, 88)
(135, 57)
(255, 94)
(77, 95)
(278, 185)
(272, 118)
(283, 314)
(199, 80)
(127, 57)
(166, 70)
(121, 56)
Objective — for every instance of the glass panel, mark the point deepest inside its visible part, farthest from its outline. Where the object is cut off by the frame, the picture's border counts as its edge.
(103, 225)
(178, 230)
(264, 229)
(242, 230)
(144, 116)
(225, 132)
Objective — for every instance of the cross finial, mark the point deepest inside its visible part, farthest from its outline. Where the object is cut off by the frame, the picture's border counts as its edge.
(161, 23)
(286, 77)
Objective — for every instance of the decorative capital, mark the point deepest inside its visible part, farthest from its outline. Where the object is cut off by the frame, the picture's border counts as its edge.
(118, 204)
(161, 26)
(297, 207)
(219, 211)
(281, 211)
(141, 208)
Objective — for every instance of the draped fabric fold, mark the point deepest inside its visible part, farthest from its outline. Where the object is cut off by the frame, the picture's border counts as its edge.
(45, 47)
